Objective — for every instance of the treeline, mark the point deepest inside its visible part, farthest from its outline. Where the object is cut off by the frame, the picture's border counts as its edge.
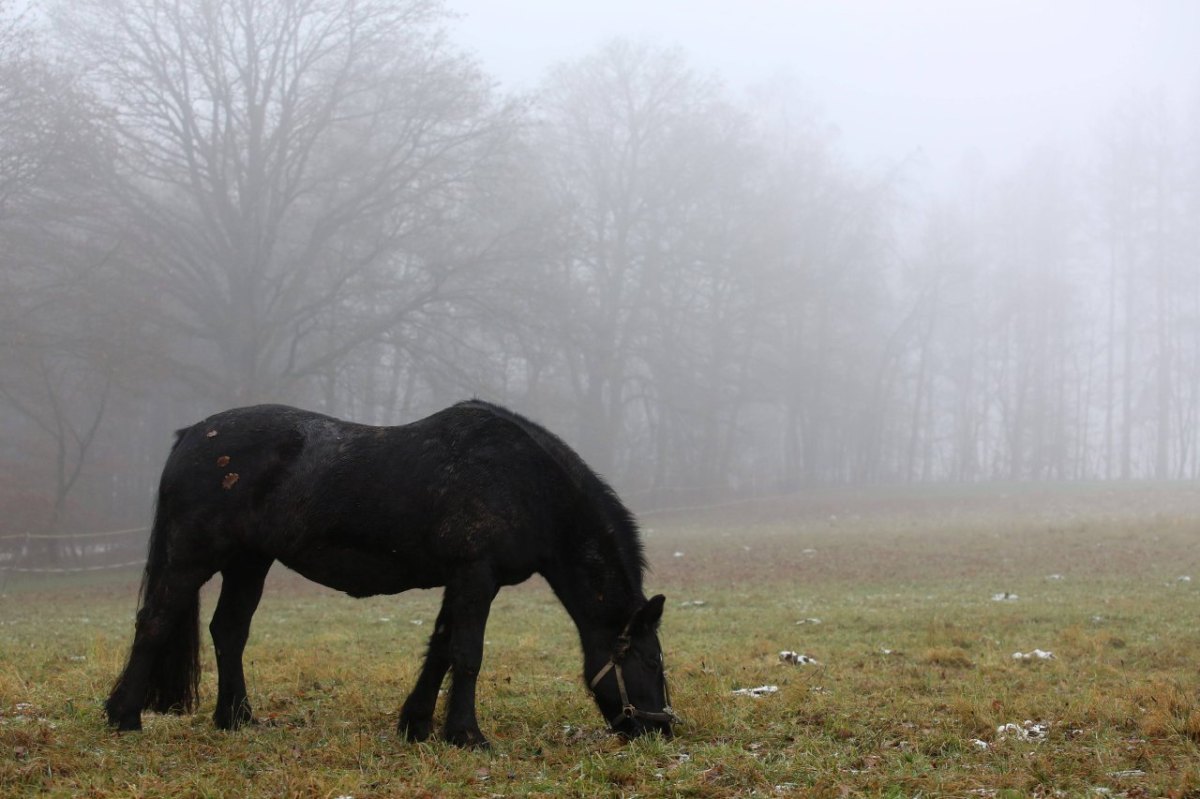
(323, 203)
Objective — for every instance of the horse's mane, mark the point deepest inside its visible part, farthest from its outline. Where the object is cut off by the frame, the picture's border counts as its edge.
(621, 528)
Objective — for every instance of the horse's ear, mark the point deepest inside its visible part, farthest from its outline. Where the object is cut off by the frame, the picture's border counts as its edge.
(648, 615)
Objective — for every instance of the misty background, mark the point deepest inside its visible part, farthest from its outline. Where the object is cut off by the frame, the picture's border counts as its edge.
(721, 253)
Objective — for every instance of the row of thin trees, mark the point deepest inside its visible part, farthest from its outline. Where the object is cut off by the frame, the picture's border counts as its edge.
(323, 202)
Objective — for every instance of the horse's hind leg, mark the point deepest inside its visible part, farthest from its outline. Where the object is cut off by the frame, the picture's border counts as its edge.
(470, 594)
(163, 667)
(416, 717)
(241, 589)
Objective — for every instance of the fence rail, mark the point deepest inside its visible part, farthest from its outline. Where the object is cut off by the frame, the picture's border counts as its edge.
(25, 553)
(70, 536)
(70, 569)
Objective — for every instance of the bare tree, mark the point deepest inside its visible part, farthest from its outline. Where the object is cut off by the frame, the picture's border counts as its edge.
(617, 126)
(58, 299)
(289, 166)
(27, 110)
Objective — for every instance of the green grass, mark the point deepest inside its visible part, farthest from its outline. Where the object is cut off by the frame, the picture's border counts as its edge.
(1095, 572)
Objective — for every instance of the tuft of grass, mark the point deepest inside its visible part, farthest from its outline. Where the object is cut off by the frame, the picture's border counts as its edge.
(952, 656)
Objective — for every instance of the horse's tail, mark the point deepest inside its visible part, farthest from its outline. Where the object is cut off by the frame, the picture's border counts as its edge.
(173, 683)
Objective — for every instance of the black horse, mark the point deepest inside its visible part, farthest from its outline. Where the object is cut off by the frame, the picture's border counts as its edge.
(472, 498)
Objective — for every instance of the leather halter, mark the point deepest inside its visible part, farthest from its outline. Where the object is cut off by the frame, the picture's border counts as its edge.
(628, 709)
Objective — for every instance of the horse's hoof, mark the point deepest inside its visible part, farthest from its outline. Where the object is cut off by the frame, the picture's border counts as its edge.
(126, 724)
(468, 739)
(228, 719)
(121, 720)
(225, 721)
(415, 730)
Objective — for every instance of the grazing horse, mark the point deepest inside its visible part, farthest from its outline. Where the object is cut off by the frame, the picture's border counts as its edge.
(472, 498)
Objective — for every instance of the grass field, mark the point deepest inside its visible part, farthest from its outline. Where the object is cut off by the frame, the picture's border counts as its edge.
(890, 590)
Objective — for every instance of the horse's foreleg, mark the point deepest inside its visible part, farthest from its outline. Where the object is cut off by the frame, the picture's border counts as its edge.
(241, 589)
(416, 717)
(470, 595)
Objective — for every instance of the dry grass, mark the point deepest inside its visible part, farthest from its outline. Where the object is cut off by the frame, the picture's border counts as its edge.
(895, 591)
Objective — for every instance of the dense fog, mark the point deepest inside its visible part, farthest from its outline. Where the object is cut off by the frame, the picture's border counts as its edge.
(334, 204)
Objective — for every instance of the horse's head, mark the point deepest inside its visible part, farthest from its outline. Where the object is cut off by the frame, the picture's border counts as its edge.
(630, 688)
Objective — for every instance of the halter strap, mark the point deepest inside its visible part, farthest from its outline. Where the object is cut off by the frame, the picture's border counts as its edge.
(628, 709)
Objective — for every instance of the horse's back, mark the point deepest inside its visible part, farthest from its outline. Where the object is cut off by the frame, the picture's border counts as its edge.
(368, 509)
(251, 449)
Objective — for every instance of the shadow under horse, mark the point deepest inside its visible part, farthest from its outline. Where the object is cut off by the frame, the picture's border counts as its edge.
(472, 498)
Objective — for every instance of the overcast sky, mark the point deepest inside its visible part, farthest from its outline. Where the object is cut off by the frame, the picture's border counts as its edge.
(894, 76)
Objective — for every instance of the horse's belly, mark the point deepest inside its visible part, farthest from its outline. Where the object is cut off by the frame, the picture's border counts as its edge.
(361, 574)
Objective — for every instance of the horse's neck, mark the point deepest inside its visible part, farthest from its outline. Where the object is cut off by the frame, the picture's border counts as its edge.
(598, 614)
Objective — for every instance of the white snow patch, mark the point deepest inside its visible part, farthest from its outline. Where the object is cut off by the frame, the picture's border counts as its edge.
(1026, 731)
(762, 690)
(797, 659)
